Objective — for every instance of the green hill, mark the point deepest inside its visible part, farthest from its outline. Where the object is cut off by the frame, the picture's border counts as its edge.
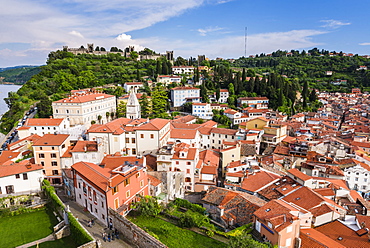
(18, 75)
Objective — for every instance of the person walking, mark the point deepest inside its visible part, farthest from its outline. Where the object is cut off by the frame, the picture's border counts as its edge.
(109, 237)
(104, 237)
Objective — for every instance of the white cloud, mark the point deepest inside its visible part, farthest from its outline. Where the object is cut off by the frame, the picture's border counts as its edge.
(75, 33)
(365, 44)
(123, 37)
(204, 32)
(334, 23)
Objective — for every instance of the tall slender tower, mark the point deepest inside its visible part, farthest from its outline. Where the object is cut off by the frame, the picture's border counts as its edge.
(133, 110)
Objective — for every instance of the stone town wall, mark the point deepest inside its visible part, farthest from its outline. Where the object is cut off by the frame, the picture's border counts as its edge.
(132, 233)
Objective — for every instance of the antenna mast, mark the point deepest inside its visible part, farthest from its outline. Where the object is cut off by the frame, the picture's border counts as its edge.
(245, 43)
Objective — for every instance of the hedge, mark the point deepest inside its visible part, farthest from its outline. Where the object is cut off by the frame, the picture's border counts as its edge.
(79, 235)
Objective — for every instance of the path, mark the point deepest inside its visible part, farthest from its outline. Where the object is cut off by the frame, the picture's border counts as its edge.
(48, 238)
(97, 229)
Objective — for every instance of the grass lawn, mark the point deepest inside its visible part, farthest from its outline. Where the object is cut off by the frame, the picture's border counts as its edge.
(66, 242)
(25, 228)
(174, 236)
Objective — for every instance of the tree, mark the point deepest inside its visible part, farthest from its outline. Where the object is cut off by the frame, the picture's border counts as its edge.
(148, 206)
(245, 241)
(112, 114)
(99, 118)
(231, 89)
(313, 96)
(159, 103)
(218, 94)
(134, 55)
(121, 110)
(107, 114)
(44, 109)
(144, 104)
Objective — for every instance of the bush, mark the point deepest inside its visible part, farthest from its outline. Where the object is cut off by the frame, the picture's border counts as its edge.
(191, 219)
(210, 233)
(186, 204)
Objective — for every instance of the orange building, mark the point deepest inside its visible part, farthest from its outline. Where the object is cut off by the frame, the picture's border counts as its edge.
(47, 151)
(115, 184)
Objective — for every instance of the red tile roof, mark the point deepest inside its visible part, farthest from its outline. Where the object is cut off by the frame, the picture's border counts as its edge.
(154, 181)
(43, 122)
(343, 235)
(18, 168)
(295, 172)
(51, 140)
(260, 179)
(81, 98)
(311, 238)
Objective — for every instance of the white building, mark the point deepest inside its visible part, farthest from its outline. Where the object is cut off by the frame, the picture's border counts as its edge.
(255, 102)
(358, 176)
(181, 95)
(168, 79)
(82, 151)
(20, 178)
(182, 69)
(224, 95)
(41, 126)
(202, 110)
(132, 85)
(83, 107)
(235, 116)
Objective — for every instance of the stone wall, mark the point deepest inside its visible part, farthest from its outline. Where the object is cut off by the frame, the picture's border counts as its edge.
(132, 233)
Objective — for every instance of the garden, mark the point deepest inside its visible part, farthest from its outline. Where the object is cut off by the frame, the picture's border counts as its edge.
(21, 228)
(183, 224)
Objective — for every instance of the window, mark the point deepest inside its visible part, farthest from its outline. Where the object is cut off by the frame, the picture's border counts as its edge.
(25, 176)
(40, 148)
(365, 179)
(64, 145)
(115, 190)
(188, 171)
(177, 162)
(94, 196)
(79, 185)
(188, 163)
(115, 139)
(53, 155)
(17, 176)
(133, 151)
(289, 229)
(54, 163)
(364, 187)
(127, 140)
(43, 172)
(187, 179)
(142, 183)
(127, 193)
(138, 174)
(142, 136)
(9, 189)
(356, 179)
(126, 182)
(288, 242)
(55, 172)
(41, 155)
(133, 140)
(152, 136)
(42, 163)
(52, 148)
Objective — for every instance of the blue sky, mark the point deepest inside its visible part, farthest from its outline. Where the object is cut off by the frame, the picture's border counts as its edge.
(30, 29)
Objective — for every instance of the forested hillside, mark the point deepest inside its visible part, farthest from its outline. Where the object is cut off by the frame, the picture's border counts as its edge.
(288, 79)
(18, 75)
(65, 71)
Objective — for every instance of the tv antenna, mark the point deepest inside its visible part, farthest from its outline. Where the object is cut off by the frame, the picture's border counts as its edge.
(245, 42)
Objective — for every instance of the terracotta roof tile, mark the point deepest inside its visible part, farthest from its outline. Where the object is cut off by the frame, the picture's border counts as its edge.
(51, 140)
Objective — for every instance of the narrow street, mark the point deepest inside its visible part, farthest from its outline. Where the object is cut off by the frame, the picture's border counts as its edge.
(95, 230)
